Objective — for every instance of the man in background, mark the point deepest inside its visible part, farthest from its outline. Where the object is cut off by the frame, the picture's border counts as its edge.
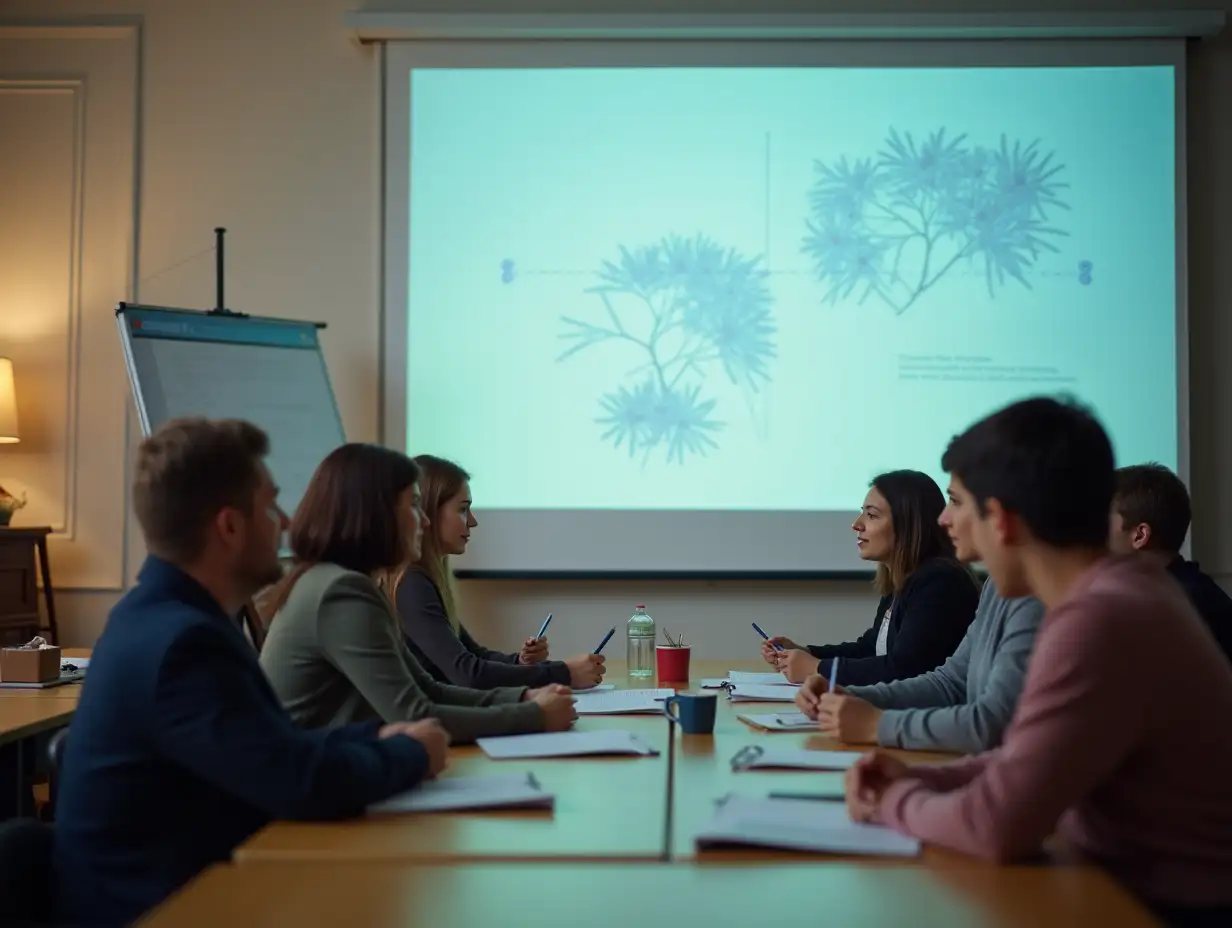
(1150, 515)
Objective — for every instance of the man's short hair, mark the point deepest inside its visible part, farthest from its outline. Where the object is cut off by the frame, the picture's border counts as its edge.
(1048, 461)
(186, 472)
(1152, 494)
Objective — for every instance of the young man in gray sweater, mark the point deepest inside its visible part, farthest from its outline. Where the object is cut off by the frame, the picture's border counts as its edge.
(965, 704)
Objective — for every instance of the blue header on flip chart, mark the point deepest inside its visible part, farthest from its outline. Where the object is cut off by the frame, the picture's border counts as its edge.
(203, 327)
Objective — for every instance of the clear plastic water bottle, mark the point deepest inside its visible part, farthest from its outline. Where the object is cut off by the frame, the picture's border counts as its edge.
(641, 643)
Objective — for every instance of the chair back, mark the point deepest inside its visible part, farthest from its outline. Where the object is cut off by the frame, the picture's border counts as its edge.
(27, 884)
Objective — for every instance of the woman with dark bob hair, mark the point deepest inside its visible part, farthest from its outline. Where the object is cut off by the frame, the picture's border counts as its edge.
(335, 652)
(927, 597)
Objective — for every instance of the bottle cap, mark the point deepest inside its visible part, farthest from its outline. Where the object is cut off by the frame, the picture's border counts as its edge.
(640, 606)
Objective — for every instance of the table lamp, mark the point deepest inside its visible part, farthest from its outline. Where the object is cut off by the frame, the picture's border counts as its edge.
(8, 404)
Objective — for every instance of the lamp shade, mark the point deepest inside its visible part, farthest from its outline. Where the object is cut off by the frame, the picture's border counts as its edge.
(8, 404)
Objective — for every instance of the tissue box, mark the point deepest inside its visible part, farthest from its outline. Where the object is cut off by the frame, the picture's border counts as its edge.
(29, 665)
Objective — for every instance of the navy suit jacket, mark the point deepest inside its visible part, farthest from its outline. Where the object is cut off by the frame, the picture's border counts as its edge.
(180, 750)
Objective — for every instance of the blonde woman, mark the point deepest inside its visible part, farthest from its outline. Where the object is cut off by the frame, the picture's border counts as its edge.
(424, 595)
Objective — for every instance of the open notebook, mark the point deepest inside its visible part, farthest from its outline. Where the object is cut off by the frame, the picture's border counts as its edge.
(565, 744)
(756, 757)
(617, 702)
(780, 721)
(798, 825)
(760, 692)
(746, 678)
(502, 791)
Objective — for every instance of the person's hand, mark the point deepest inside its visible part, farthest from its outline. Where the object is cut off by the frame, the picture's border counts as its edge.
(586, 670)
(808, 696)
(427, 732)
(796, 665)
(533, 651)
(867, 780)
(848, 718)
(770, 654)
(556, 701)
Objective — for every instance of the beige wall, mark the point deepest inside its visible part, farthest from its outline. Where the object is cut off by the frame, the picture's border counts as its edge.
(262, 116)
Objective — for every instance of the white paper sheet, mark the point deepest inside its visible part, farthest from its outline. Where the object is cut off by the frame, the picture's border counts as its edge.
(781, 721)
(759, 679)
(613, 702)
(502, 791)
(753, 692)
(799, 825)
(764, 758)
(564, 744)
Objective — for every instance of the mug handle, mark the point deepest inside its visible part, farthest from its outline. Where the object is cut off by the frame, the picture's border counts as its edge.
(667, 708)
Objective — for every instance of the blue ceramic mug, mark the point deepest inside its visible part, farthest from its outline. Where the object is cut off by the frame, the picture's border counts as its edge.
(694, 712)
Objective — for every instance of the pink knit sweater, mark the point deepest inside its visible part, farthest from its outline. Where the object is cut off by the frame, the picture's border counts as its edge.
(1121, 743)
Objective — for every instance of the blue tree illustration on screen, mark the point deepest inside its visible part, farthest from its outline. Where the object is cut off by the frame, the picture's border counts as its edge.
(689, 307)
(894, 225)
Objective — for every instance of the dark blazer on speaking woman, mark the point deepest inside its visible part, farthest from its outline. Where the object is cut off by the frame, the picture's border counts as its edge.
(927, 621)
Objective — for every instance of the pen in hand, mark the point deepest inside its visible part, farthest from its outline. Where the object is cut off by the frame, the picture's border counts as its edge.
(606, 639)
(544, 627)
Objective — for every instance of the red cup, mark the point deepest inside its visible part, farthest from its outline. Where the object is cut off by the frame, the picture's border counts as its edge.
(672, 664)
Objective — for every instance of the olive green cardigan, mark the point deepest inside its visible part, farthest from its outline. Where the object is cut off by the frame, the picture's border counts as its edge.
(335, 654)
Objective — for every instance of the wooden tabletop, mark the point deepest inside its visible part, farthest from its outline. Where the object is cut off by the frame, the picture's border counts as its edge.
(565, 895)
(607, 808)
(21, 718)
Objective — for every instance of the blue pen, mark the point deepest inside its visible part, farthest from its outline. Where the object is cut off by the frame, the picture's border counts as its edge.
(834, 675)
(606, 639)
(544, 627)
(764, 635)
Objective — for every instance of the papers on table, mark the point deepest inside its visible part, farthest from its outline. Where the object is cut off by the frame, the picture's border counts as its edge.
(798, 825)
(756, 757)
(758, 679)
(746, 678)
(781, 721)
(564, 744)
(503, 791)
(754, 692)
(597, 688)
(612, 702)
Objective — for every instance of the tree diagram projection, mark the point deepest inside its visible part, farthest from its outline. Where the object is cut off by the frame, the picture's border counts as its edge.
(893, 225)
(686, 308)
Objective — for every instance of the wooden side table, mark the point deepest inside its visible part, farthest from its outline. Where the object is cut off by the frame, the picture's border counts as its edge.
(18, 587)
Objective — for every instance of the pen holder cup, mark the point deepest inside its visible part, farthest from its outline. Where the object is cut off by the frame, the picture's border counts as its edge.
(693, 712)
(672, 664)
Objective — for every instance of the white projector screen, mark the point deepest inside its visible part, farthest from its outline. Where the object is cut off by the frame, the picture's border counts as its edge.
(674, 305)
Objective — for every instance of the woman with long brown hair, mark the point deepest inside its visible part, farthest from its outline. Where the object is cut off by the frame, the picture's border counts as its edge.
(928, 598)
(423, 592)
(335, 651)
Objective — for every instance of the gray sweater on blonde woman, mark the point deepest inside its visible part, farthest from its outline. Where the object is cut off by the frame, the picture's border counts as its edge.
(965, 704)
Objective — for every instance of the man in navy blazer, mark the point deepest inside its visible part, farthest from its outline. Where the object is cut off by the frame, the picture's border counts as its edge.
(179, 749)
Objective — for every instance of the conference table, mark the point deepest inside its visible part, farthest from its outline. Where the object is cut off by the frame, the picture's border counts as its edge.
(617, 849)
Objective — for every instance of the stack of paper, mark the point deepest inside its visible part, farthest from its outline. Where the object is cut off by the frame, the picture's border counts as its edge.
(615, 702)
(756, 757)
(781, 721)
(564, 744)
(760, 692)
(504, 791)
(799, 825)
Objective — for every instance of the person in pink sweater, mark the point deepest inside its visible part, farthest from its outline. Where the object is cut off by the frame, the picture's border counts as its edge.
(1121, 743)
